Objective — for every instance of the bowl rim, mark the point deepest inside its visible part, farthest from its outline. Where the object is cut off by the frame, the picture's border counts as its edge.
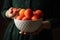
(28, 20)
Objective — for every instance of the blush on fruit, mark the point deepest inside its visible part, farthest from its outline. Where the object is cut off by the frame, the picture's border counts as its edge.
(26, 18)
(28, 13)
(35, 18)
(38, 12)
(19, 17)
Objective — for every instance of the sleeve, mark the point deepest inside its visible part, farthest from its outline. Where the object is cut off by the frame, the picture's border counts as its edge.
(7, 4)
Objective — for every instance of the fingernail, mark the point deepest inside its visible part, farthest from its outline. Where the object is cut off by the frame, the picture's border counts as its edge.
(20, 32)
(24, 33)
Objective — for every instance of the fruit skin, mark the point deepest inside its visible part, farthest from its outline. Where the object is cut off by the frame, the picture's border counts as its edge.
(26, 18)
(15, 10)
(39, 13)
(21, 12)
(35, 17)
(19, 17)
(28, 13)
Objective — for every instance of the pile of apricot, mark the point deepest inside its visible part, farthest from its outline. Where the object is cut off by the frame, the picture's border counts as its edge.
(28, 14)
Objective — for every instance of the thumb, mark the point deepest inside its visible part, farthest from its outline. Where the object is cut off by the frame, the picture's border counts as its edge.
(21, 32)
(11, 8)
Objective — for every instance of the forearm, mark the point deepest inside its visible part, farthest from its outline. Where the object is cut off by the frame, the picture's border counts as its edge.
(51, 23)
(46, 24)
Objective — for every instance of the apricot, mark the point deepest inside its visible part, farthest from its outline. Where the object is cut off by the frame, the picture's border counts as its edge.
(35, 18)
(19, 17)
(21, 12)
(38, 12)
(26, 18)
(28, 13)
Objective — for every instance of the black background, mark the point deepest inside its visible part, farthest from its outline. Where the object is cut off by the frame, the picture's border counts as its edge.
(3, 23)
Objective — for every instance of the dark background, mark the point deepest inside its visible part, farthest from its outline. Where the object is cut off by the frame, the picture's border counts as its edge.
(3, 25)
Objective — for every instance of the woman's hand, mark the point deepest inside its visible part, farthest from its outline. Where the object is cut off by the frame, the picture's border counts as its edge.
(33, 33)
(45, 25)
(10, 13)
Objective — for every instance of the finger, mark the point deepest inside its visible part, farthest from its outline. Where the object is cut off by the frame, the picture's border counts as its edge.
(11, 10)
(21, 32)
(25, 33)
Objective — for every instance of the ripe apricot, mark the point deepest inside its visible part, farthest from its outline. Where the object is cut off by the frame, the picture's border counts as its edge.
(19, 17)
(26, 18)
(35, 18)
(28, 13)
(21, 12)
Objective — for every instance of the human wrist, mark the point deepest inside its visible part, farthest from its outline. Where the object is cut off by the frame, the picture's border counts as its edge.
(46, 24)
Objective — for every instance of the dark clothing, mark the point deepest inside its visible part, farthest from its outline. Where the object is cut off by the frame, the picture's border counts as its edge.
(12, 33)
